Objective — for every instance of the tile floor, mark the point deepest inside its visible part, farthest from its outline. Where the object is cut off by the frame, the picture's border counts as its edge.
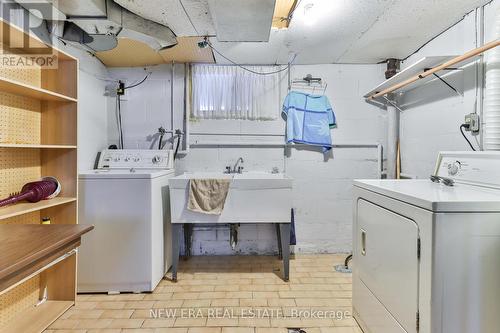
(237, 294)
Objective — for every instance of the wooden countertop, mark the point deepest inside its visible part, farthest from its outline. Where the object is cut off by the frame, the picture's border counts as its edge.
(23, 245)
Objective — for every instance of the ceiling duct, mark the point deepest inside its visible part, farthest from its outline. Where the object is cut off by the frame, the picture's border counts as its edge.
(74, 33)
(96, 42)
(104, 21)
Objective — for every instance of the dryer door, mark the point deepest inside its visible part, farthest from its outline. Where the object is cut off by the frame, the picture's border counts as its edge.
(387, 261)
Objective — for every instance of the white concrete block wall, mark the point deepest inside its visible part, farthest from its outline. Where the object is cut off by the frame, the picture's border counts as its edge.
(322, 195)
(92, 118)
(490, 19)
(433, 113)
(146, 107)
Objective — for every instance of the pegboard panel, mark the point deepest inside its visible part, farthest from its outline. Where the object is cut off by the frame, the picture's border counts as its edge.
(20, 119)
(19, 299)
(29, 218)
(18, 167)
(32, 77)
(28, 75)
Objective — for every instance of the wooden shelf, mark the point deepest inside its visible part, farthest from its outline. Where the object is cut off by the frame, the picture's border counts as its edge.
(33, 146)
(417, 68)
(422, 71)
(28, 207)
(37, 319)
(18, 88)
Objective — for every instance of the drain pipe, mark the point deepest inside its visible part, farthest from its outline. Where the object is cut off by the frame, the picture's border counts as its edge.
(392, 124)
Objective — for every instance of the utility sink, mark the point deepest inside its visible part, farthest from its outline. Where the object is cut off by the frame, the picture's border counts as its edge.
(253, 197)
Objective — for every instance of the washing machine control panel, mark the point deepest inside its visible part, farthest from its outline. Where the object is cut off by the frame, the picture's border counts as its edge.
(136, 159)
(480, 168)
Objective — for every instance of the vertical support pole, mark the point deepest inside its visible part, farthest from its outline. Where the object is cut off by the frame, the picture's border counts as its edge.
(176, 235)
(392, 138)
(185, 117)
(285, 249)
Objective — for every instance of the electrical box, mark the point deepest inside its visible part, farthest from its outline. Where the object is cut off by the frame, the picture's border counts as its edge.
(473, 121)
(121, 88)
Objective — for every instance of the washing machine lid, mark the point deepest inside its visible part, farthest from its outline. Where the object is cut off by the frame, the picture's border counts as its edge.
(126, 173)
(436, 197)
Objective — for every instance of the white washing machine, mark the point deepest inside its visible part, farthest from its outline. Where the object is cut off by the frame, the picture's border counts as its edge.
(127, 199)
(426, 254)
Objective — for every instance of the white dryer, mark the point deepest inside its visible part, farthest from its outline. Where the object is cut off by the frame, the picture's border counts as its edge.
(127, 199)
(427, 254)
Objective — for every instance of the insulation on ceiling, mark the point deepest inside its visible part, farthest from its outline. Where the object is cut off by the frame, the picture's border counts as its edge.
(133, 53)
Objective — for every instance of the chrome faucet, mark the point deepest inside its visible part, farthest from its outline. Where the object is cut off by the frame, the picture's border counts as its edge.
(235, 168)
(236, 165)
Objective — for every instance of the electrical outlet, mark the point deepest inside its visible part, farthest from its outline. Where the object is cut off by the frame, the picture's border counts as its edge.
(472, 120)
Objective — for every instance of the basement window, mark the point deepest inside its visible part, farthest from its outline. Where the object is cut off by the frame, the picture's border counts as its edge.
(231, 92)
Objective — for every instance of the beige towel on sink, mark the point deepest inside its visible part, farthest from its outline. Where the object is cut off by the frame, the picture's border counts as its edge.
(208, 196)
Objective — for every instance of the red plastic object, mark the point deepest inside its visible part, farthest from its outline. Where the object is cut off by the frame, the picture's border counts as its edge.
(32, 192)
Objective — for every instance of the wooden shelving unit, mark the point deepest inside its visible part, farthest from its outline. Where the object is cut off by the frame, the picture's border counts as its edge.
(38, 137)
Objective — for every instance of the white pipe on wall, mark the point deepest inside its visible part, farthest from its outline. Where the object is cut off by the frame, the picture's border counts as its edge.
(491, 112)
(378, 146)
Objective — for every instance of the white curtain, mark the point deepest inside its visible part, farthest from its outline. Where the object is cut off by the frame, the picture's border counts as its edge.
(230, 92)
